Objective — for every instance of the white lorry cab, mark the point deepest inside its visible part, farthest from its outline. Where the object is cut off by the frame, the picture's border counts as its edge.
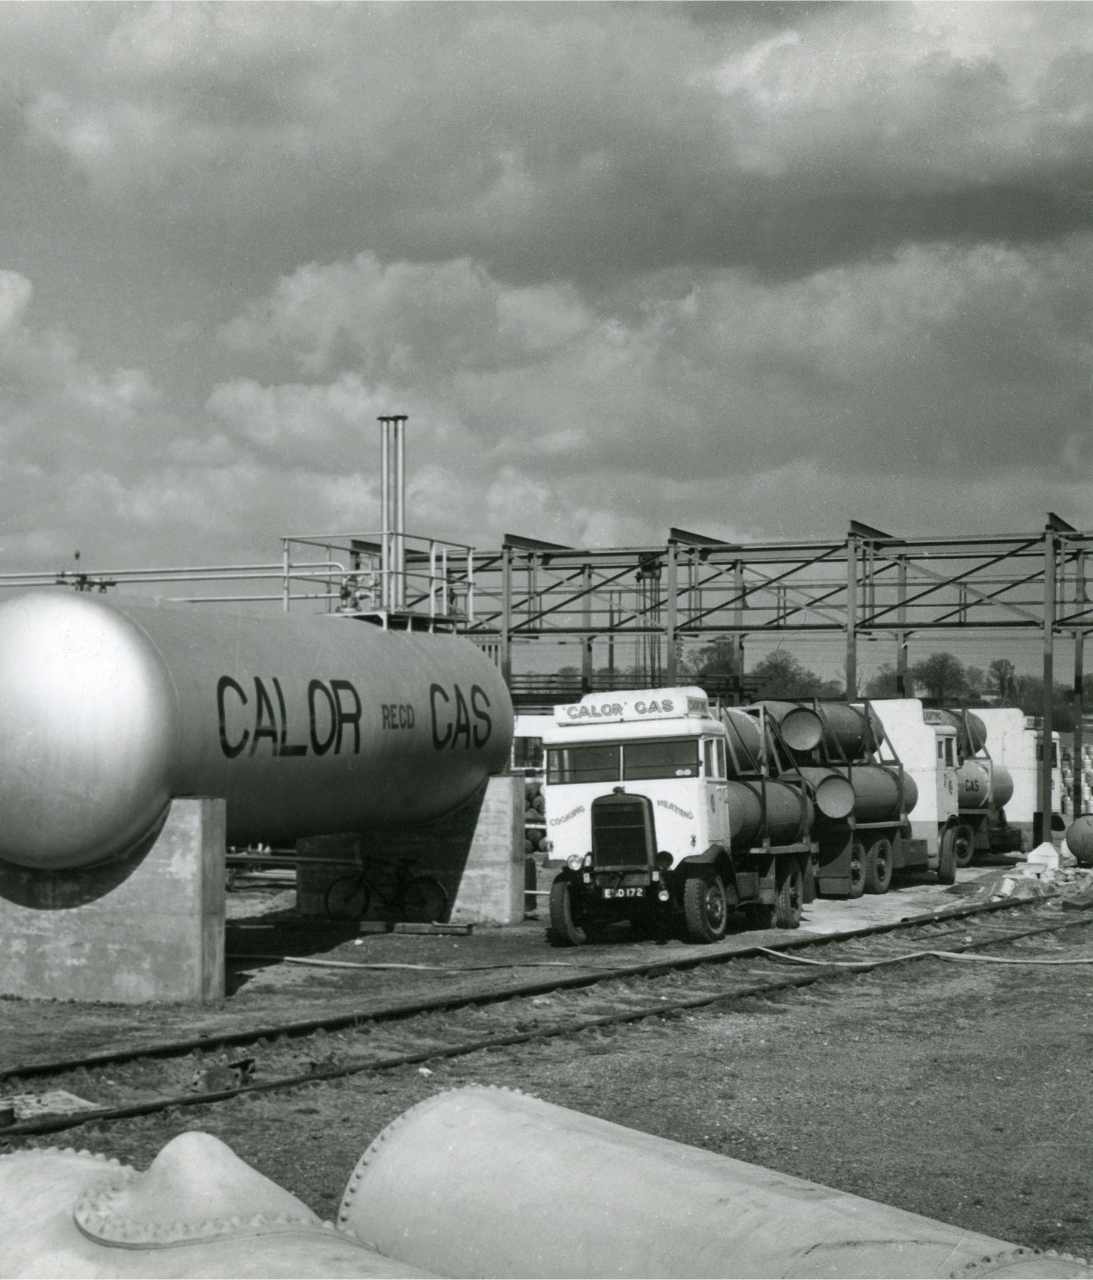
(1015, 740)
(650, 828)
(926, 744)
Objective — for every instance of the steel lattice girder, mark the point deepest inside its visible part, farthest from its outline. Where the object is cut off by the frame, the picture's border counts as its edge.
(870, 582)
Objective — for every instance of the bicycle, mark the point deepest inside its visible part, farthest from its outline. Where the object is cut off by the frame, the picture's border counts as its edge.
(411, 897)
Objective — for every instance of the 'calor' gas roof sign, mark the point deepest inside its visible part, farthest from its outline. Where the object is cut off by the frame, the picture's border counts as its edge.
(634, 705)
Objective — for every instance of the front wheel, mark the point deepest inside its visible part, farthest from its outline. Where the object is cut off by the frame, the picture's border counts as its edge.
(878, 866)
(564, 930)
(787, 906)
(963, 845)
(705, 908)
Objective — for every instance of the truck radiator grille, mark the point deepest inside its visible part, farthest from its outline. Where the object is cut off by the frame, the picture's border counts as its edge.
(622, 833)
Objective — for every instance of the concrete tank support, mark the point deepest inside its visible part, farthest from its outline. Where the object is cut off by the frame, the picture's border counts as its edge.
(152, 932)
(488, 1182)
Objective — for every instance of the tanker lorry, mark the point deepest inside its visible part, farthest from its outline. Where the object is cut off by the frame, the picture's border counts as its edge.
(866, 838)
(984, 787)
(651, 828)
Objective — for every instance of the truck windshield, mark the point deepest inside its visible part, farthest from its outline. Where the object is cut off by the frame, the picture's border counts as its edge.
(672, 758)
(592, 763)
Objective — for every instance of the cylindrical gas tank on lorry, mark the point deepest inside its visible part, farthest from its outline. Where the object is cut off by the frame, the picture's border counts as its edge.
(983, 784)
(304, 724)
(832, 793)
(788, 813)
(971, 732)
(850, 731)
(881, 792)
(800, 726)
(745, 741)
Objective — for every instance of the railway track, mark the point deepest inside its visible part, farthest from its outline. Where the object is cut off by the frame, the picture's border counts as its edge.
(292, 1055)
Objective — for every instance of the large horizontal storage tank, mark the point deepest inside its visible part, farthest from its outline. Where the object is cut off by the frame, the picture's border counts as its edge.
(304, 724)
(787, 810)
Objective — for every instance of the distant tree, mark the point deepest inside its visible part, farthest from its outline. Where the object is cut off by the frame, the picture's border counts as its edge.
(975, 683)
(718, 658)
(883, 684)
(1001, 675)
(941, 675)
(780, 675)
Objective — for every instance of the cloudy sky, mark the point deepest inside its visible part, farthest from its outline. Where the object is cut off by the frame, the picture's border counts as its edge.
(754, 270)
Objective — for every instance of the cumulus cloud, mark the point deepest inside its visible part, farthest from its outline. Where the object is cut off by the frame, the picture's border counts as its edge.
(753, 269)
(935, 360)
(588, 139)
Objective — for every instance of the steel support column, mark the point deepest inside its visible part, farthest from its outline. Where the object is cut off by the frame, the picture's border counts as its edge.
(901, 639)
(672, 668)
(506, 614)
(852, 544)
(1047, 719)
(588, 639)
(1079, 712)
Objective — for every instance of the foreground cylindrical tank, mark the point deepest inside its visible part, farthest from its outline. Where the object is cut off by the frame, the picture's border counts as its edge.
(801, 728)
(1079, 839)
(983, 784)
(304, 724)
(197, 1211)
(849, 731)
(788, 813)
(488, 1182)
(878, 796)
(832, 793)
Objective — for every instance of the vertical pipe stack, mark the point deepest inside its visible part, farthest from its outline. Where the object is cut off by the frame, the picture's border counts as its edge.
(393, 509)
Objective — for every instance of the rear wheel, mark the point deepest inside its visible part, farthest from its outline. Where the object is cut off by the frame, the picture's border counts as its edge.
(564, 930)
(963, 845)
(857, 870)
(787, 907)
(705, 908)
(946, 862)
(809, 879)
(760, 915)
(878, 866)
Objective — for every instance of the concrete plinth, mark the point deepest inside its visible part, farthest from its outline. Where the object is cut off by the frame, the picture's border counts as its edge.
(154, 934)
(476, 852)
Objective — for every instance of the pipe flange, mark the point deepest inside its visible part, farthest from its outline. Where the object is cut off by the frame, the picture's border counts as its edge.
(100, 1216)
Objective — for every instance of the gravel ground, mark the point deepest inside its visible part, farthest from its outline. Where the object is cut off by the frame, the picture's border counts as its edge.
(956, 1090)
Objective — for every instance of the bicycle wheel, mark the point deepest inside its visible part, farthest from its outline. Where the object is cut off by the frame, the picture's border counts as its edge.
(347, 898)
(425, 900)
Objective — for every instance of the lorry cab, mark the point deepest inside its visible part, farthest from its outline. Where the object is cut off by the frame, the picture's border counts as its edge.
(662, 743)
(1015, 740)
(926, 745)
(650, 828)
